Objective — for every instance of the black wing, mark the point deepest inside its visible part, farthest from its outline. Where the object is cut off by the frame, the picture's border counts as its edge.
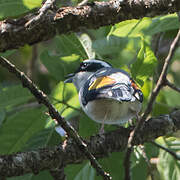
(107, 89)
(118, 92)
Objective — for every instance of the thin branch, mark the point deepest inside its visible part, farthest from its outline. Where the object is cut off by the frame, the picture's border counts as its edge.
(68, 105)
(14, 33)
(69, 153)
(159, 84)
(127, 164)
(46, 6)
(154, 93)
(42, 98)
(162, 78)
(172, 86)
(150, 169)
(82, 3)
(176, 156)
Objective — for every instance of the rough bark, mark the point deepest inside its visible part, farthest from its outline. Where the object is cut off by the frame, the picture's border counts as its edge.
(69, 153)
(18, 32)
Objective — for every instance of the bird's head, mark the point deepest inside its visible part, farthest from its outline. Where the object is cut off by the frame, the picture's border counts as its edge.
(86, 68)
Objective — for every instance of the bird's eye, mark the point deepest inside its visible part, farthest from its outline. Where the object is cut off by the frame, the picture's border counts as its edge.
(84, 65)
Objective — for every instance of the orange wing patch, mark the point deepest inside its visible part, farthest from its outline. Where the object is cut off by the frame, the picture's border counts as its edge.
(133, 84)
(101, 81)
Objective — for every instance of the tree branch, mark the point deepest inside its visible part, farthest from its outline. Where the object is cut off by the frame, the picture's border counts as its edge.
(42, 11)
(149, 165)
(42, 98)
(58, 173)
(17, 32)
(172, 153)
(172, 86)
(162, 77)
(160, 83)
(127, 164)
(69, 153)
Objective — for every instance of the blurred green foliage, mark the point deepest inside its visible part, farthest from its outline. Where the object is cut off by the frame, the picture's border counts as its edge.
(129, 45)
(15, 8)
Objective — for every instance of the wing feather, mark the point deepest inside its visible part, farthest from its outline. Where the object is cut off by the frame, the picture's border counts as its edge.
(103, 84)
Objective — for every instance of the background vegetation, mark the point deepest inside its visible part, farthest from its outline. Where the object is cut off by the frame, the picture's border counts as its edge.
(137, 46)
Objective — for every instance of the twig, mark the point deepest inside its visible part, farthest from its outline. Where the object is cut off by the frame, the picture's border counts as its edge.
(127, 164)
(155, 91)
(42, 98)
(47, 5)
(82, 3)
(68, 105)
(147, 161)
(159, 84)
(176, 156)
(172, 86)
(161, 79)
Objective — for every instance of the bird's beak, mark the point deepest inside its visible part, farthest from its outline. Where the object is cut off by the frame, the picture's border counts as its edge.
(69, 78)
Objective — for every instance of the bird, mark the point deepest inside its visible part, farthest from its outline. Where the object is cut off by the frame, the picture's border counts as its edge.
(107, 95)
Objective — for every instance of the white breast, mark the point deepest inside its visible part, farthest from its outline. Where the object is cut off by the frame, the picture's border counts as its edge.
(109, 111)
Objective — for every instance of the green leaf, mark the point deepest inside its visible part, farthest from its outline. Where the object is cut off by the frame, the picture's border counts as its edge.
(87, 44)
(151, 150)
(161, 106)
(14, 95)
(146, 26)
(119, 51)
(162, 24)
(18, 128)
(72, 170)
(130, 28)
(137, 162)
(25, 177)
(88, 127)
(113, 165)
(68, 45)
(2, 115)
(45, 175)
(39, 139)
(173, 98)
(8, 53)
(14, 8)
(87, 172)
(59, 67)
(109, 45)
(146, 89)
(168, 167)
(145, 64)
(64, 95)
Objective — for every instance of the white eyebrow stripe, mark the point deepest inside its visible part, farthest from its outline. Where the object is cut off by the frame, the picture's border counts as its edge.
(104, 64)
